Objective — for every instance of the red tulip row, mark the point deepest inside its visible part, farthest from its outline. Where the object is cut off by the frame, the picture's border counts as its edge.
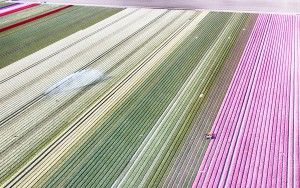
(34, 18)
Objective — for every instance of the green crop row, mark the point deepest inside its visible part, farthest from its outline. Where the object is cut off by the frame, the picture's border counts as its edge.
(213, 63)
(106, 153)
(185, 164)
(29, 38)
(170, 132)
(131, 60)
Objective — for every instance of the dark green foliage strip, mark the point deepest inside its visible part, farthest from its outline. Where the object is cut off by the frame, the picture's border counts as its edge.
(29, 38)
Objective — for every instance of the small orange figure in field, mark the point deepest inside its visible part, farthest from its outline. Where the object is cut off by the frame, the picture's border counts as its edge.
(210, 135)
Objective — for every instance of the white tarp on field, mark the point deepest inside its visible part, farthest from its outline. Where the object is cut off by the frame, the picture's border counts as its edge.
(77, 80)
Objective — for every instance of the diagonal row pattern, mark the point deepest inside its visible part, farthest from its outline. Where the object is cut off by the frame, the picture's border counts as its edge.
(257, 127)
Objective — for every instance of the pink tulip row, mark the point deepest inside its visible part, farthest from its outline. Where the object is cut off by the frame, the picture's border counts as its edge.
(257, 127)
(16, 8)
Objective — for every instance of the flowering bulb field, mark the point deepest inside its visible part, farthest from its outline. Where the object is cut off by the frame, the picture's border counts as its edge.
(25, 31)
(135, 97)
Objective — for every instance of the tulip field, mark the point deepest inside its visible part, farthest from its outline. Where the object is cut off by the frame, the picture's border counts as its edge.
(136, 97)
(260, 135)
(27, 28)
